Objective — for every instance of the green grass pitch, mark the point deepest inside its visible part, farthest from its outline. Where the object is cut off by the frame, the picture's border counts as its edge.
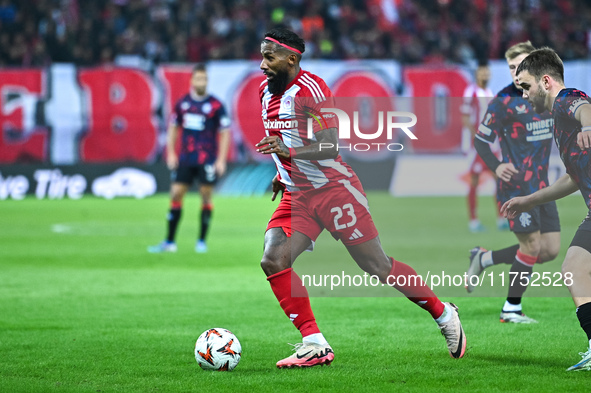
(84, 307)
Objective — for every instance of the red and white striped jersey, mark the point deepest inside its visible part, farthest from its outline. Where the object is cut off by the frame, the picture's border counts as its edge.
(282, 117)
(475, 102)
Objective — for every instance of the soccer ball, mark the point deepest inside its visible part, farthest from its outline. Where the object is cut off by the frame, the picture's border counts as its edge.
(217, 349)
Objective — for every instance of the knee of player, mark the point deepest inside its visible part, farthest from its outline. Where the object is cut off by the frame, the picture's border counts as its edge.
(267, 263)
(177, 196)
(549, 252)
(272, 264)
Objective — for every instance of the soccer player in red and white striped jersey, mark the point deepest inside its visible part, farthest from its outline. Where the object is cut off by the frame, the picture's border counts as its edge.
(306, 89)
(320, 191)
(476, 98)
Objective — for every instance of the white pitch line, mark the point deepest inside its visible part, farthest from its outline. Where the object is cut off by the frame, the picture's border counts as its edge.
(61, 228)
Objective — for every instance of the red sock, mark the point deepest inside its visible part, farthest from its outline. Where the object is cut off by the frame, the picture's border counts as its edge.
(472, 202)
(297, 308)
(414, 288)
(527, 260)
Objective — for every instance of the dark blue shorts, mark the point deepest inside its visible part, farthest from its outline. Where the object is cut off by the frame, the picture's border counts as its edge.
(205, 174)
(543, 218)
(583, 235)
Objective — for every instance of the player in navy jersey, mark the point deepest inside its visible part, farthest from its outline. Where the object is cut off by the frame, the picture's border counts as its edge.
(526, 141)
(320, 191)
(201, 117)
(541, 76)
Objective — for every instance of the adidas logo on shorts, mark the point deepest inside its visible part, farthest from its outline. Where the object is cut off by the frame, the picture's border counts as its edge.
(356, 234)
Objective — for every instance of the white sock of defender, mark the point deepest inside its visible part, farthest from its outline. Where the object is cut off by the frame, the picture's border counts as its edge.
(446, 315)
(316, 338)
(508, 307)
(486, 259)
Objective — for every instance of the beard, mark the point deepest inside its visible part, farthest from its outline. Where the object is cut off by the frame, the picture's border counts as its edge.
(200, 91)
(538, 102)
(278, 82)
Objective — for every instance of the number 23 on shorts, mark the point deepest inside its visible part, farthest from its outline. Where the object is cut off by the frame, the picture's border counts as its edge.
(342, 221)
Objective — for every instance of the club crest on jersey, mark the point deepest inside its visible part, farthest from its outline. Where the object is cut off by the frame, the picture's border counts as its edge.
(206, 108)
(287, 102)
(521, 109)
(525, 219)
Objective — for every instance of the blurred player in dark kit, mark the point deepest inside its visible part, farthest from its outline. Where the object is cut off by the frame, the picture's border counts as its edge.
(202, 118)
(477, 95)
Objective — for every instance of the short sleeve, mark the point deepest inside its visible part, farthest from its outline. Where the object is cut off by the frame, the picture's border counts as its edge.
(223, 118)
(574, 103)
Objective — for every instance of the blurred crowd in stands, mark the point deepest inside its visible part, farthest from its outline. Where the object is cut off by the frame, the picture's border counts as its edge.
(92, 32)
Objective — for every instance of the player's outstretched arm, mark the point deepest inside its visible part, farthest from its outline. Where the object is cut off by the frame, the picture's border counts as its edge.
(562, 187)
(325, 147)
